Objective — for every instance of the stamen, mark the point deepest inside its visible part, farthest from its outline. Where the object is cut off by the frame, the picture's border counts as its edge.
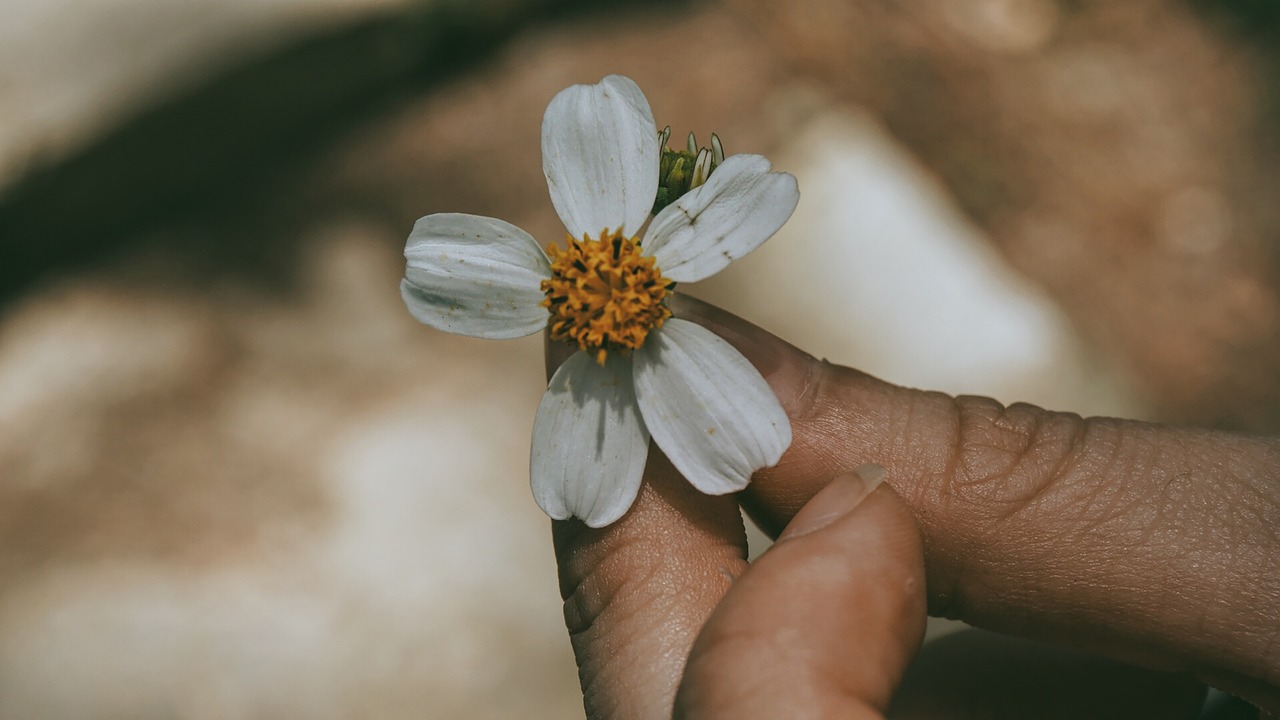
(603, 295)
(680, 171)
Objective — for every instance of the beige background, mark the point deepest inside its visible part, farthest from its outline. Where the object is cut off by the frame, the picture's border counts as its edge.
(238, 481)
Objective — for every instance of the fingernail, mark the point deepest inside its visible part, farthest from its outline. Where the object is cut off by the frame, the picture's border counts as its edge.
(836, 500)
(784, 366)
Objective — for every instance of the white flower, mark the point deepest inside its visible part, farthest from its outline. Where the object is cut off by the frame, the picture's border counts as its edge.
(639, 373)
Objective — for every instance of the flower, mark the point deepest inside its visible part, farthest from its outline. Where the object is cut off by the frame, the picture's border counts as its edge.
(639, 373)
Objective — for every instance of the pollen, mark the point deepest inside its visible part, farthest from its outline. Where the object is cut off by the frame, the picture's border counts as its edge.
(603, 295)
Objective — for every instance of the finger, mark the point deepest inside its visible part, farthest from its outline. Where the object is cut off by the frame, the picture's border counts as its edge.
(823, 624)
(636, 592)
(819, 625)
(1157, 545)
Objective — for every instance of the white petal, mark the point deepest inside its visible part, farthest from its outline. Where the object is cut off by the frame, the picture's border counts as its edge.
(600, 156)
(589, 443)
(708, 408)
(474, 276)
(741, 206)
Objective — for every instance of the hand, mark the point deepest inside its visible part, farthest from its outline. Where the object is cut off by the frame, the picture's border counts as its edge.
(1155, 546)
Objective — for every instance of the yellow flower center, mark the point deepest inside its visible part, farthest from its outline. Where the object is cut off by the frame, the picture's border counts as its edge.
(603, 294)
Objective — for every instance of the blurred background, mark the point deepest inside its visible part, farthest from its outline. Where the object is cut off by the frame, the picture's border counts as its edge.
(238, 481)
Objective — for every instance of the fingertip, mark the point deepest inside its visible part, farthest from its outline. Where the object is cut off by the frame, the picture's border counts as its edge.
(834, 501)
(828, 617)
(788, 369)
(817, 397)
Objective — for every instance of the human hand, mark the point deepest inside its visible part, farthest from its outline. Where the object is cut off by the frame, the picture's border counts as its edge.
(1151, 545)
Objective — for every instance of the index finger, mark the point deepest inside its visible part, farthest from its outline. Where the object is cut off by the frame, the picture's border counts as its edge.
(637, 592)
(1153, 544)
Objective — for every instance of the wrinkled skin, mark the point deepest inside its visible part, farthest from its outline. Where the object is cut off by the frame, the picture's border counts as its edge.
(1126, 564)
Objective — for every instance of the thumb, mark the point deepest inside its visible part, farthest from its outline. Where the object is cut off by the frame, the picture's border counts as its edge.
(825, 622)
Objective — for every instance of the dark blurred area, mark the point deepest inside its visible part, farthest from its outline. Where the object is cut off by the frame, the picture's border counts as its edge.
(1125, 157)
(228, 155)
(208, 388)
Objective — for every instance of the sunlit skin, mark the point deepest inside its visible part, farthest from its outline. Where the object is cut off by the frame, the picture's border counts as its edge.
(603, 295)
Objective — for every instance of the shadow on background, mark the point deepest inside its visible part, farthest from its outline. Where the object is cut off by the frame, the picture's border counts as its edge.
(224, 156)
(1257, 22)
(213, 175)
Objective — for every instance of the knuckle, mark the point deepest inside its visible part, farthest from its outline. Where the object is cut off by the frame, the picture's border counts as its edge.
(1002, 466)
(628, 598)
(614, 598)
(1006, 460)
(609, 586)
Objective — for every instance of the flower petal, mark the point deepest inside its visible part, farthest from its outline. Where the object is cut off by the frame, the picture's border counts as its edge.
(600, 155)
(707, 407)
(589, 443)
(740, 206)
(474, 276)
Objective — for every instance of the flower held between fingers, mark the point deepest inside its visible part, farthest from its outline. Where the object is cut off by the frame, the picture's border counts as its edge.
(639, 372)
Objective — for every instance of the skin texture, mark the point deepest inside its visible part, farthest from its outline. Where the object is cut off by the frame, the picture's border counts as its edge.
(1140, 559)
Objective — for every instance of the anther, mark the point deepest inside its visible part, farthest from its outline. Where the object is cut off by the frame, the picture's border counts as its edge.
(603, 295)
